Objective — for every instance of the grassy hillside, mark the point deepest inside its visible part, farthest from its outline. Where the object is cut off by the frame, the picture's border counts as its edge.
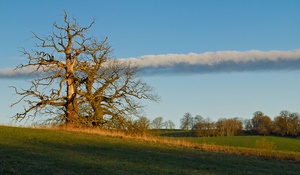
(35, 151)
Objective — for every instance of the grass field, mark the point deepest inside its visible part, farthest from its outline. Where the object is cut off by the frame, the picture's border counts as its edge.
(38, 151)
(279, 143)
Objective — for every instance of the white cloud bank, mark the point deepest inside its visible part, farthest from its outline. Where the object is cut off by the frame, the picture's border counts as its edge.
(221, 61)
(213, 58)
(16, 73)
(208, 62)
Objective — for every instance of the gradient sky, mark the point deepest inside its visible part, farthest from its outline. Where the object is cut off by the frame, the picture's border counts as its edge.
(141, 29)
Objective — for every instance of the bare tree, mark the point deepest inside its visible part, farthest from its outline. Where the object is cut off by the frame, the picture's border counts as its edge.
(169, 124)
(68, 42)
(221, 126)
(141, 126)
(256, 119)
(233, 126)
(248, 124)
(187, 121)
(157, 123)
(77, 71)
(197, 119)
(204, 127)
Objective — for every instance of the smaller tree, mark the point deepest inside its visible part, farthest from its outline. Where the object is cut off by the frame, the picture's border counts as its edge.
(234, 126)
(287, 124)
(229, 127)
(265, 125)
(256, 119)
(294, 124)
(197, 119)
(157, 123)
(221, 127)
(140, 126)
(169, 124)
(248, 125)
(204, 128)
(261, 123)
(187, 121)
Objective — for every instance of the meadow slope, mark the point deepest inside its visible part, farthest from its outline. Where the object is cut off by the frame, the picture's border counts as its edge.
(39, 151)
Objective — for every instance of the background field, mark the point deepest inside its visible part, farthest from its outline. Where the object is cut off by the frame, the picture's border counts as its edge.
(36, 151)
(279, 143)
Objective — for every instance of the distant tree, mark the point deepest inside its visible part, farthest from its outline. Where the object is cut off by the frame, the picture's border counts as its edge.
(186, 121)
(265, 125)
(248, 124)
(256, 119)
(287, 124)
(197, 119)
(169, 124)
(228, 127)
(280, 125)
(294, 124)
(157, 123)
(261, 123)
(140, 126)
(204, 127)
(221, 126)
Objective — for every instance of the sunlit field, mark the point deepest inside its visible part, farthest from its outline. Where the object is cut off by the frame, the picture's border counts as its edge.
(278, 143)
(40, 151)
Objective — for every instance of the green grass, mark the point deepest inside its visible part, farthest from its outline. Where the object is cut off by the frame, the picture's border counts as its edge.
(175, 133)
(36, 151)
(280, 143)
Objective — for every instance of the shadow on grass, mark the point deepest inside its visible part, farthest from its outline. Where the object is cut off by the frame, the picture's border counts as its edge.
(102, 159)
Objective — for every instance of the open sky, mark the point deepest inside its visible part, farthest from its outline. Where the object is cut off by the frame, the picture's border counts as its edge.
(214, 58)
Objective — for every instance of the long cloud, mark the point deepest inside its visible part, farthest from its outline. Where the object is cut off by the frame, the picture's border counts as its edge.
(208, 62)
(10, 73)
(221, 61)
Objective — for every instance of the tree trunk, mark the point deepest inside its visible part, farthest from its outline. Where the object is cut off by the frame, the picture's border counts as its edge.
(98, 114)
(71, 104)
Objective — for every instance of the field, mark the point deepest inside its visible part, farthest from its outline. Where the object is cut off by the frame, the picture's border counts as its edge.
(278, 143)
(40, 151)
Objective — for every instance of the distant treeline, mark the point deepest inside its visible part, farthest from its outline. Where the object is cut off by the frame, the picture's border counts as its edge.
(285, 124)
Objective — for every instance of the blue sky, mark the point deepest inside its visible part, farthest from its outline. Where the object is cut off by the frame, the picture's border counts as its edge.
(151, 30)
